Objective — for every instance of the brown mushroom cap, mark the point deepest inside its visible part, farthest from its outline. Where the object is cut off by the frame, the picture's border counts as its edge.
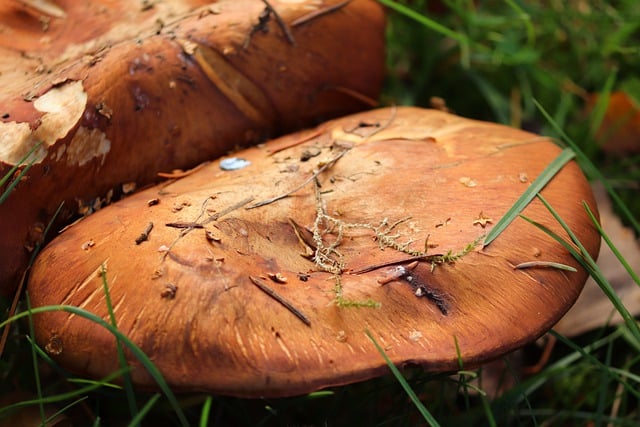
(390, 183)
(116, 92)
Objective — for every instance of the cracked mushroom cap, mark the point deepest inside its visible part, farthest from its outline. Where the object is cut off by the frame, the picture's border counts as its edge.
(259, 274)
(114, 92)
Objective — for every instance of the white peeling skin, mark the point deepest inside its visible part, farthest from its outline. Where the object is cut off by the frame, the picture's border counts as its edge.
(62, 106)
(86, 145)
(44, 7)
(14, 143)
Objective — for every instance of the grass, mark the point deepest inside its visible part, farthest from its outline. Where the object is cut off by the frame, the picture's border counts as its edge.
(528, 64)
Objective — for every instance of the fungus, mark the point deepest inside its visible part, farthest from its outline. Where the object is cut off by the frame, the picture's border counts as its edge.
(110, 93)
(357, 232)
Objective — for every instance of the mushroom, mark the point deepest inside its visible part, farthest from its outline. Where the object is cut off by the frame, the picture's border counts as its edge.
(103, 95)
(618, 132)
(262, 280)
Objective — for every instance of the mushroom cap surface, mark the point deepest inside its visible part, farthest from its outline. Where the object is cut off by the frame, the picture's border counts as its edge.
(115, 91)
(365, 194)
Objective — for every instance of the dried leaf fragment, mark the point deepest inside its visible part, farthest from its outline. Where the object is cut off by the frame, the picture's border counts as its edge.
(277, 277)
(468, 182)
(128, 187)
(523, 177)
(54, 347)
(88, 245)
(482, 220)
(45, 7)
(211, 236)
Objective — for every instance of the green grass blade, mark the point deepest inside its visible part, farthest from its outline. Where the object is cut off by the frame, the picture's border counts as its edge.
(58, 397)
(403, 382)
(603, 386)
(128, 383)
(428, 23)
(52, 417)
(522, 392)
(206, 410)
(133, 348)
(600, 107)
(588, 357)
(497, 102)
(592, 171)
(102, 383)
(585, 259)
(488, 413)
(514, 396)
(526, 20)
(613, 248)
(139, 417)
(36, 251)
(36, 370)
(463, 385)
(22, 173)
(536, 186)
(44, 356)
(589, 264)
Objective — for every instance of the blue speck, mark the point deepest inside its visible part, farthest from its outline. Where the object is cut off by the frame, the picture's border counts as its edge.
(233, 163)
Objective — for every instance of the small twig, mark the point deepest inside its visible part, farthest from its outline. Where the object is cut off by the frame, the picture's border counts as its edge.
(367, 100)
(307, 181)
(267, 290)
(195, 224)
(228, 210)
(305, 240)
(144, 236)
(181, 174)
(544, 264)
(263, 20)
(320, 12)
(394, 112)
(281, 23)
(308, 136)
(184, 225)
(396, 262)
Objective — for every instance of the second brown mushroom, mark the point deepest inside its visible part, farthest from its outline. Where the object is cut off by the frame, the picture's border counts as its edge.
(260, 274)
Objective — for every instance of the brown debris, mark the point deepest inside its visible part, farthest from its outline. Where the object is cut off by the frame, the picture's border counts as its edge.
(144, 236)
(88, 245)
(169, 291)
(212, 237)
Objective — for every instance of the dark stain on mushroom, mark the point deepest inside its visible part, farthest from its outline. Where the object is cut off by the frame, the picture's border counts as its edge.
(422, 289)
(141, 98)
(309, 153)
(169, 291)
